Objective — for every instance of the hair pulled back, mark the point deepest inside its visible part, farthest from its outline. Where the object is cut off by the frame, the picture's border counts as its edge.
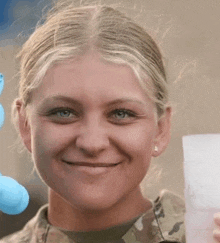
(69, 32)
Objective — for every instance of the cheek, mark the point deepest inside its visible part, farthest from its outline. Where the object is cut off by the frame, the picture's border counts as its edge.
(139, 140)
(48, 140)
(47, 146)
(138, 144)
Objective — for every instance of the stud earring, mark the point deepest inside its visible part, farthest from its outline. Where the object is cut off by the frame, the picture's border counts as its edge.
(156, 149)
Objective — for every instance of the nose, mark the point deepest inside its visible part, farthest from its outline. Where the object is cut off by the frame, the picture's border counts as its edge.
(92, 139)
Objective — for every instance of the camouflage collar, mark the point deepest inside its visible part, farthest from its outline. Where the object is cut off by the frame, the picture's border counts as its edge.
(162, 223)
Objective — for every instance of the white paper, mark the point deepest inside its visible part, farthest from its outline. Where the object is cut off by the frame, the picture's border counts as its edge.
(202, 186)
(202, 170)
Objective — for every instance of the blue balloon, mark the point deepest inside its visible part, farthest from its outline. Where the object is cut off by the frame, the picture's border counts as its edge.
(2, 116)
(1, 83)
(14, 198)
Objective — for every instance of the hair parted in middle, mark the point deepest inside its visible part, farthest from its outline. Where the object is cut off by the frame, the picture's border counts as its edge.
(70, 32)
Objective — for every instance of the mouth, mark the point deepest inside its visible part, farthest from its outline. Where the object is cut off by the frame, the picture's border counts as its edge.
(87, 164)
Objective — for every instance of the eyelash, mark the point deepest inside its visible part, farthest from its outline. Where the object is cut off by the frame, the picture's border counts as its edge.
(61, 109)
(128, 112)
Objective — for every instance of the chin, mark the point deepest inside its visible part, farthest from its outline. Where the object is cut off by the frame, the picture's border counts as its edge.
(93, 203)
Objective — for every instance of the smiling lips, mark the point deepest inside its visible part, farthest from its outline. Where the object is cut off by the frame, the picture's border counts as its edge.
(92, 164)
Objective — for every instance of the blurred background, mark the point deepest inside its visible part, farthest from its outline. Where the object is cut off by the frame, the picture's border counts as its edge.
(188, 33)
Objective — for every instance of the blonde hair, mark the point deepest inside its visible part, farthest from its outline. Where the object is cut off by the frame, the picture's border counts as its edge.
(69, 32)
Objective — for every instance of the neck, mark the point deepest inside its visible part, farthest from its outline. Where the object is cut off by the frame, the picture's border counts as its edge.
(64, 215)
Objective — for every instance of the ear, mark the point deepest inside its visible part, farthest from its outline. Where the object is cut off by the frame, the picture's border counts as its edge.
(163, 135)
(24, 127)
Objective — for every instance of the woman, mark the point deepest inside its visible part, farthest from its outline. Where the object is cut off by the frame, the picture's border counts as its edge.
(93, 110)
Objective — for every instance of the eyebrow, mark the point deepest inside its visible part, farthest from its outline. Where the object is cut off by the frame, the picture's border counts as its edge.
(76, 102)
(60, 98)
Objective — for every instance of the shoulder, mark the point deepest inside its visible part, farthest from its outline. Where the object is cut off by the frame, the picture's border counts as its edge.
(164, 222)
(28, 233)
(169, 209)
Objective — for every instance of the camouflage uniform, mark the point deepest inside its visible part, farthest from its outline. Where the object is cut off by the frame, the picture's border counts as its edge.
(163, 223)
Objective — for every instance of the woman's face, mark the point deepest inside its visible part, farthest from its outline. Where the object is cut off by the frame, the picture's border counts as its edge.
(92, 132)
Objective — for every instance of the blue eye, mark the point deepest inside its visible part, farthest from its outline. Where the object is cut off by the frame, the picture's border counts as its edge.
(122, 114)
(62, 113)
(65, 113)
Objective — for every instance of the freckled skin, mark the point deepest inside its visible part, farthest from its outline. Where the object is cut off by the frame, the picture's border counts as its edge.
(94, 133)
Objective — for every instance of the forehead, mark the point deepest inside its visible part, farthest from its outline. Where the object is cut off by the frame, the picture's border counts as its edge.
(91, 77)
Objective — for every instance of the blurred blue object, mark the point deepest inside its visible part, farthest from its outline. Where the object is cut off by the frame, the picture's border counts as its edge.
(1, 83)
(4, 6)
(2, 112)
(14, 198)
(2, 116)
